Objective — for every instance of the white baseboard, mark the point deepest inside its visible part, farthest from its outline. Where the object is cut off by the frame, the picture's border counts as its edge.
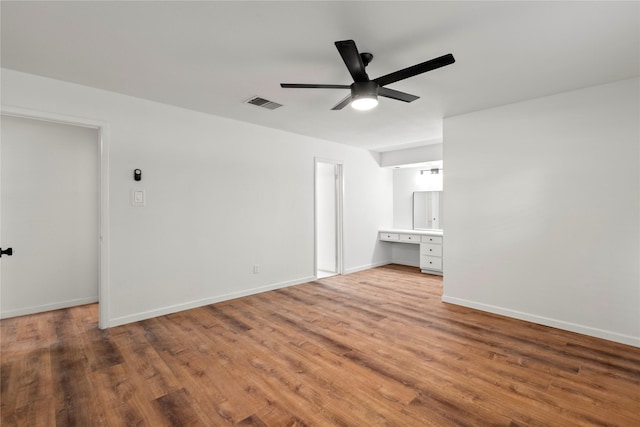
(366, 267)
(47, 307)
(554, 323)
(202, 302)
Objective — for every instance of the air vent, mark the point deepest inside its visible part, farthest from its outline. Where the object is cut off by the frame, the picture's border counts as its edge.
(264, 103)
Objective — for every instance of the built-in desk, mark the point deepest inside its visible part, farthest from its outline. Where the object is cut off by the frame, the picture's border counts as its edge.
(430, 242)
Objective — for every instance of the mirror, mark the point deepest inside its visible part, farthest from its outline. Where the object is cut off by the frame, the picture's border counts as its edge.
(427, 210)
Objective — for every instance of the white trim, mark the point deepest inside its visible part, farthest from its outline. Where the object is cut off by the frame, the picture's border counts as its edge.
(103, 148)
(546, 321)
(367, 266)
(49, 307)
(205, 301)
(340, 219)
(339, 213)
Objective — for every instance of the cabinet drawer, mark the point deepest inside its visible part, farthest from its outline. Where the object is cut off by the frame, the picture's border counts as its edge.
(390, 237)
(430, 263)
(409, 238)
(430, 250)
(431, 239)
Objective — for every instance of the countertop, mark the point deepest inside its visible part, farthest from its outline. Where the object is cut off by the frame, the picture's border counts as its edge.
(410, 231)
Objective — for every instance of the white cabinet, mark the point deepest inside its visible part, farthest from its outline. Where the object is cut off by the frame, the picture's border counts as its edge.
(430, 249)
(431, 257)
(431, 239)
(431, 264)
(429, 242)
(389, 237)
(410, 238)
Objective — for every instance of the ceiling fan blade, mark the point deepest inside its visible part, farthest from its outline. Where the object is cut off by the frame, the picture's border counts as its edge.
(396, 94)
(340, 105)
(352, 59)
(416, 69)
(312, 86)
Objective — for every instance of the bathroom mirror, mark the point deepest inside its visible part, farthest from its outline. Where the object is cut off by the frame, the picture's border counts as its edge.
(427, 210)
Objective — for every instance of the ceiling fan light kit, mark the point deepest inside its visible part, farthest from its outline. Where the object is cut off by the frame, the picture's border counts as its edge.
(364, 91)
(364, 103)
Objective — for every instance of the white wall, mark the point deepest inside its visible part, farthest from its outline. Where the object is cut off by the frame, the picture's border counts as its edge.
(410, 156)
(543, 211)
(221, 195)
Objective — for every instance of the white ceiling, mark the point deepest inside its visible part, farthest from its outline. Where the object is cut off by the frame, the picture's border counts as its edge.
(210, 56)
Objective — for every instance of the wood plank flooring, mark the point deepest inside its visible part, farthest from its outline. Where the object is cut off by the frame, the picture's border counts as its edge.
(372, 348)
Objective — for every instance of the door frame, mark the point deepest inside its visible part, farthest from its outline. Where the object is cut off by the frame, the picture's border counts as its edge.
(103, 193)
(339, 164)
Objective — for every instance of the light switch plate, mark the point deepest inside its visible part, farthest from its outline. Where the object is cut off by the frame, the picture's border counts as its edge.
(138, 198)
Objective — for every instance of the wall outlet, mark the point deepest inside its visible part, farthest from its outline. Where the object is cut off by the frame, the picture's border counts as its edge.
(256, 268)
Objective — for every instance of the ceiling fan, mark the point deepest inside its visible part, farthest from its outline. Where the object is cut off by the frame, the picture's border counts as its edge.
(364, 91)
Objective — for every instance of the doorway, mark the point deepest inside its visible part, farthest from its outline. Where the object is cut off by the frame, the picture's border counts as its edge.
(51, 213)
(329, 200)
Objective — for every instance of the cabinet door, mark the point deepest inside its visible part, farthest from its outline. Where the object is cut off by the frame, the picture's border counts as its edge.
(391, 237)
(430, 250)
(430, 263)
(410, 238)
(431, 239)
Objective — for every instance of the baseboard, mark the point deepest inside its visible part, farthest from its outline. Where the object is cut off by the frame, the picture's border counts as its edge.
(202, 302)
(366, 267)
(48, 307)
(541, 320)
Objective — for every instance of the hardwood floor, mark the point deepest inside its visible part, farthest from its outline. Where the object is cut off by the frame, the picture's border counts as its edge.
(376, 347)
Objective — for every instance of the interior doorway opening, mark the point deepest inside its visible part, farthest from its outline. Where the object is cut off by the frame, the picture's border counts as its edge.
(328, 217)
(90, 186)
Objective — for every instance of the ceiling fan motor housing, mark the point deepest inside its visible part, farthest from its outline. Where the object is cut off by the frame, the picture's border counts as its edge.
(368, 89)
